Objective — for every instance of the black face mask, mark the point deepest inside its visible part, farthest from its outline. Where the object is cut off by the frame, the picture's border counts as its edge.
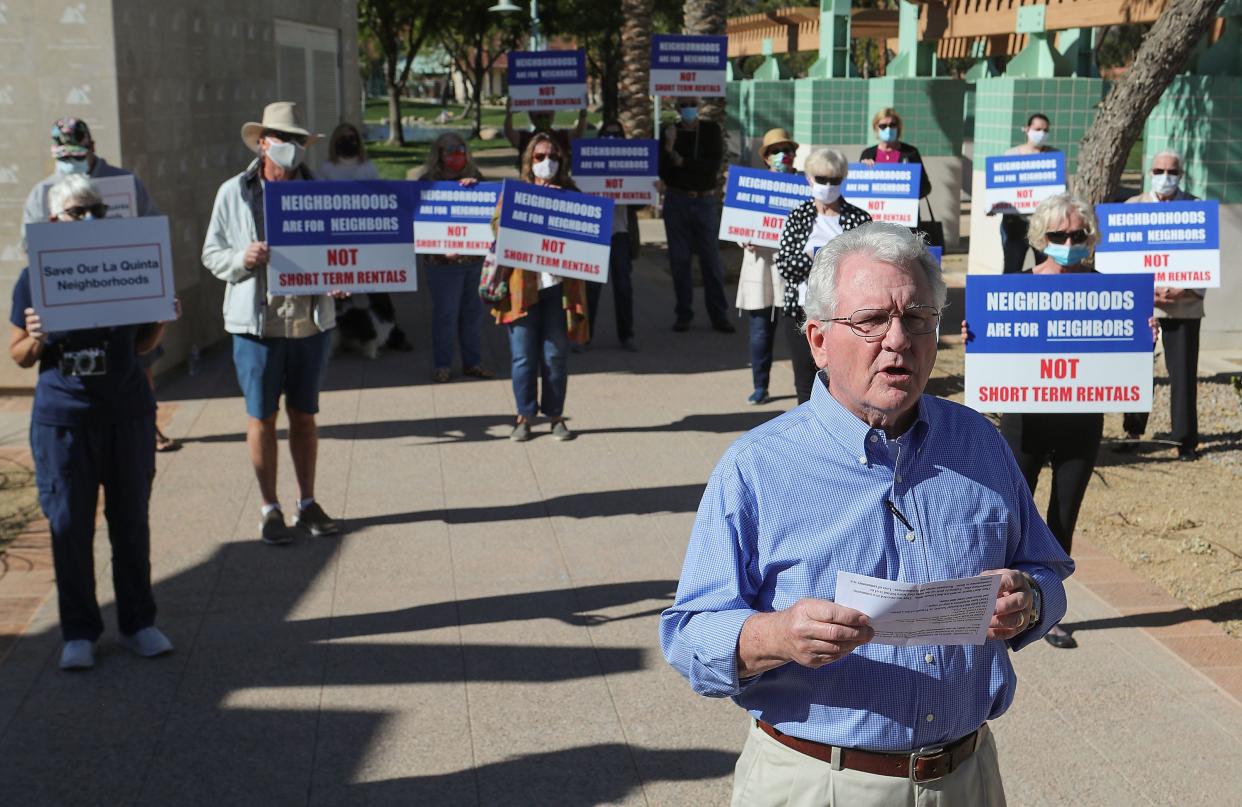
(347, 147)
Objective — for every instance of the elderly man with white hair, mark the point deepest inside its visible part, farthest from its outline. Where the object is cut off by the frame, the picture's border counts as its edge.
(810, 226)
(871, 476)
(1180, 312)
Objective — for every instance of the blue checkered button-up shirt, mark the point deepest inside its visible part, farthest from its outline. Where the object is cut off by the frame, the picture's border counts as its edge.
(803, 496)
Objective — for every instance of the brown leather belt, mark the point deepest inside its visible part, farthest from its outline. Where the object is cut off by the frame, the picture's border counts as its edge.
(923, 765)
(692, 194)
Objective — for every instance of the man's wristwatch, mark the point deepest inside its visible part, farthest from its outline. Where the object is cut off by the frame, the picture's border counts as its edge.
(1037, 599)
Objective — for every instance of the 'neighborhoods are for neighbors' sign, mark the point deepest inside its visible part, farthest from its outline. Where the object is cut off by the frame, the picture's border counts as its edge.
(555, 231)
(756, 204)
(547, 80)
(340, 236)
(683, 64)
(889, 192)
(625, 171)
(1177, 242)
(453, 219)
(1017, 183)
(1059, 343)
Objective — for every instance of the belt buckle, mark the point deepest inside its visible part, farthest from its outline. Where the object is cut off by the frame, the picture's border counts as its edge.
(926, 752)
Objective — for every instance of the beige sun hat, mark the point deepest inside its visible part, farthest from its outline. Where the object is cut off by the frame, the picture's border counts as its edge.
(279, 116)
(776, 137)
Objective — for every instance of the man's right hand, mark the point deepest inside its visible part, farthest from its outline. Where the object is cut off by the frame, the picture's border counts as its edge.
(811, 632)
(256, 255)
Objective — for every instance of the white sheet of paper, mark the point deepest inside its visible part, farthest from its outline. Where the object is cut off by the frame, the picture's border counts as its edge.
(947, 612)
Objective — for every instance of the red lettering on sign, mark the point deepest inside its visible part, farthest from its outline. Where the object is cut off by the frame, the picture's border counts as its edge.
(614, 183)
(552, 245)
(1058, 368)
(1159, 261)
(547, 91)
(772, 221)
(689, 76)
(343, 257)
(1024, 194)
(457, 230)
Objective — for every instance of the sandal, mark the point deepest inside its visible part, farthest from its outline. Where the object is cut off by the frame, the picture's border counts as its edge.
(478, 371)
(164, 443)
(441, 375)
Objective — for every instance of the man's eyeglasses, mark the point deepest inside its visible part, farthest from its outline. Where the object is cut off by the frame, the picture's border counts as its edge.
(78, 212)
(1173, 172)
(283, 137)
(825, 180)
(1061, 236)
(873, 323)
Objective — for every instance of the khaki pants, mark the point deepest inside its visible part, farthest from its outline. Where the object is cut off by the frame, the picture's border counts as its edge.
(769, 774)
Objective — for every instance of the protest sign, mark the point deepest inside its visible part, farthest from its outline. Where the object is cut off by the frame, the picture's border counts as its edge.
(938, 254)
(451, 219)
(339, 236)
(547, 80)
(1059, 343)
(889, 191)
(556, 231)
(756, 204)
(119, 193)
(1178, 242)
(1017, 183)
(97, 274)
(625, 171)
(689, 65)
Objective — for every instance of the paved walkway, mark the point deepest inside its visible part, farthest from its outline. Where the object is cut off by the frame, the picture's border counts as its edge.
(485, 633)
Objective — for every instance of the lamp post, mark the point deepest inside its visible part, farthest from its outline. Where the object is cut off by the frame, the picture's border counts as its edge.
(536, 35)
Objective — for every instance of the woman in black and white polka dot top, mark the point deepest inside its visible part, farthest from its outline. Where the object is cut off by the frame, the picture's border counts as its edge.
(810, 226)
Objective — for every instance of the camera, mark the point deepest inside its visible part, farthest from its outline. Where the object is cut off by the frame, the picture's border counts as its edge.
(89, 362)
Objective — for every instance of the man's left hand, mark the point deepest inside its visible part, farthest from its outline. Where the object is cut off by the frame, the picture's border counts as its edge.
(1013, 605)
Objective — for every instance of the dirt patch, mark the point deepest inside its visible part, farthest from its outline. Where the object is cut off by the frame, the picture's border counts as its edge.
(1175, 523)
(19, 500)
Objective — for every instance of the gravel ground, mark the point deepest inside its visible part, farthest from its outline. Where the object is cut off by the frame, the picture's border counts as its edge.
(1176, 523)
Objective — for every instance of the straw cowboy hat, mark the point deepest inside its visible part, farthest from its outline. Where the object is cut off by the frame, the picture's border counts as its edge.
(774, 138)
(279, 116)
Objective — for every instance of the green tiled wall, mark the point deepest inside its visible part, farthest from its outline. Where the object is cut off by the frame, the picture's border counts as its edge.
(828, 110)
(1201, 117)
(772, 106)
(1002, 106)
(930, 108)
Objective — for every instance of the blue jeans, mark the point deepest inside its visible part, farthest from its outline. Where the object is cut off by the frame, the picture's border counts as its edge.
(268, 366)
(693, 225)
(620, 269)
(762, 338)
(456, 311)
(539, 343)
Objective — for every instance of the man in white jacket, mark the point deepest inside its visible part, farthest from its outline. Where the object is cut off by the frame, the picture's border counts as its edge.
(281, 344)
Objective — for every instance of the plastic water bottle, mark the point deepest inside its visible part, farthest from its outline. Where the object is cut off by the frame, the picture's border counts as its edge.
(191, 363)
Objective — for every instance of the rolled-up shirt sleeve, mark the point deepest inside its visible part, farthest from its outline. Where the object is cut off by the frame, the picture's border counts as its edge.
(699, 633)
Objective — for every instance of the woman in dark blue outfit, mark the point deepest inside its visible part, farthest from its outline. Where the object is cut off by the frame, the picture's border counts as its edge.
(93, 423)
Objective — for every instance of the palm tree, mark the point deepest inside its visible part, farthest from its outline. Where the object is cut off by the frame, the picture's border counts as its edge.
(633, 88)
(708, 17)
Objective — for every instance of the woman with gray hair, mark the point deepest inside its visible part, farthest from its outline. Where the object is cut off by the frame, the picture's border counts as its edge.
(92, 424)
(811, 226)
(1180, 312)
(1063, 228)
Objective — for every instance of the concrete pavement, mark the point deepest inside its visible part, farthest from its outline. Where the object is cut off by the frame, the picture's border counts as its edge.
(485, 631)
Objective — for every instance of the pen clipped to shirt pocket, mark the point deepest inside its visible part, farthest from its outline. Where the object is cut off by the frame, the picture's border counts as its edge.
(978, 546)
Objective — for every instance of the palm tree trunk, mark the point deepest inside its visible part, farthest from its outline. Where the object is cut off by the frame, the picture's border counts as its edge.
(634, 85)
(708, 17)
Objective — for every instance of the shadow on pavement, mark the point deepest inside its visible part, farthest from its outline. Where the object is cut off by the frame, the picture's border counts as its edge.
(1220, 612)
(639, 501)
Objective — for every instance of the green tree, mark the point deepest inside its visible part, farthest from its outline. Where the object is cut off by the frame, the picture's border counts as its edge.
(475, 39)
(397, 29)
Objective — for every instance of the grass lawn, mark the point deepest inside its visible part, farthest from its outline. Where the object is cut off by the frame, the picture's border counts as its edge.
(394, 161)
(377, 108)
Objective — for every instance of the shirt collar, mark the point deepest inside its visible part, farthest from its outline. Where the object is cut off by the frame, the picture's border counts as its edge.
(852, 433)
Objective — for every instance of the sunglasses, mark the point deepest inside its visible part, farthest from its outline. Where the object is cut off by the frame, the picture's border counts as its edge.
(1060, 236)
(78, 212)
(283, 137)
(828, 180)
(538, 158)
(1173, 172)
(884, 126)
(453, 149)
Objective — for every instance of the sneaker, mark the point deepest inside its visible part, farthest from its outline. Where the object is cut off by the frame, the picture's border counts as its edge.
(759, 396)
(478, 371)
(629, 345)
(681, 325)
(315, 521)
(724, 326)
(78, 654)
(1185, 454)
(521, 432)
(561, 432)
(273, 529)
(441, 375)
(148, 643)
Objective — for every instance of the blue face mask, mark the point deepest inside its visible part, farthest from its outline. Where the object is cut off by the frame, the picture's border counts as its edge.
(1068, 254)
(71, 166)
(888, 134)
(689, 113)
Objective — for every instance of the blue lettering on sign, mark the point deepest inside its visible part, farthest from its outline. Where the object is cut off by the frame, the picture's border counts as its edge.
(763, 191)
(883, 181)
(689, 52)
(451, 202)
(567, 215)
(1025, 170)
(1158, 226)
(547, 67)
(605, 157)
(332, 213)
(1074, 313)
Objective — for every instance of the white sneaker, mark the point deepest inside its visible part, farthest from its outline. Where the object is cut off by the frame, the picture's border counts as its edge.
(78, 654)
(148, 643)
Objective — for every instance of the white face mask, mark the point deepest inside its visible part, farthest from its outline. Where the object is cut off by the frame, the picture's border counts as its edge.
(1036, 136)
(546, 168)
(825, 194)
(1164, 184)
(71, 166)
(286, 155)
